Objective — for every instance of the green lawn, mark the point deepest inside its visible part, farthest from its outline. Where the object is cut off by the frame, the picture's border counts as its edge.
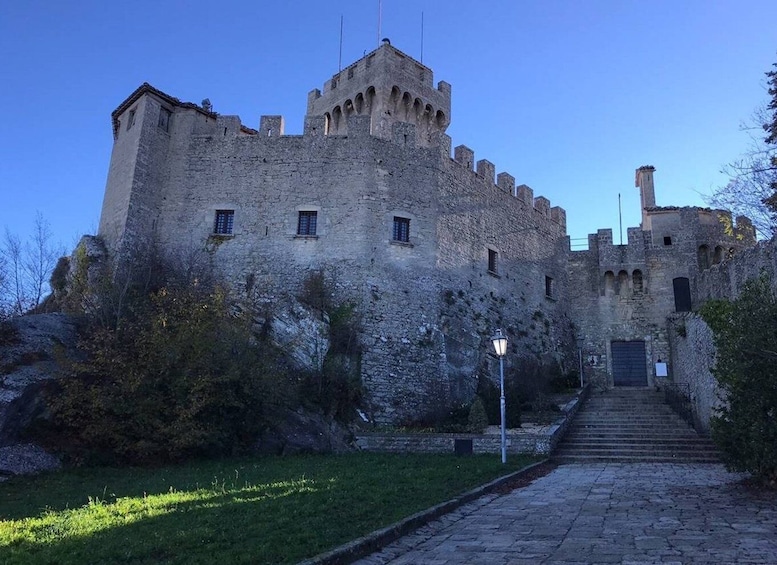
(260, 510)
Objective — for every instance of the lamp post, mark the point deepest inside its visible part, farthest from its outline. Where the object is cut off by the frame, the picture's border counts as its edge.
(580, 343)
(500, 346)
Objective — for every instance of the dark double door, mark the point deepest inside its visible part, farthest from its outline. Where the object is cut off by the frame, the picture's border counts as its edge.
(629, 365)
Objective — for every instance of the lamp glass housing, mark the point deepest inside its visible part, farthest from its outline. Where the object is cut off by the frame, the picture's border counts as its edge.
(500, 343)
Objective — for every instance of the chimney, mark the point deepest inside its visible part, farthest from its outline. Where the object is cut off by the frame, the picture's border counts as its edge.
(644, 181)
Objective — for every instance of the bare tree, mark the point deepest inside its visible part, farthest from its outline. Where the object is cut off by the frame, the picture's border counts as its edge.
(752, 179)
(25, 268)
(16, 296)
(4, 280)
(39, 260)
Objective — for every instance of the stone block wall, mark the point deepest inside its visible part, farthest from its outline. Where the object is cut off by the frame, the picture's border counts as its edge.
(693, 351)
(428, 305)
(693, 354)
(627, 291)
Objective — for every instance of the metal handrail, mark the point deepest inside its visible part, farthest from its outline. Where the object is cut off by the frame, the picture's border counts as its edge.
(678, 397)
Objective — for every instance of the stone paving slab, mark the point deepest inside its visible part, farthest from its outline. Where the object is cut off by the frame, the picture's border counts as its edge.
(627, 513)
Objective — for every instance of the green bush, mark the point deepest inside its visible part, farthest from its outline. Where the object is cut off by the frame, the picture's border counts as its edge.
(489, 392)
(477, 421)
(183, 377)
(337, 388)
(745, 335)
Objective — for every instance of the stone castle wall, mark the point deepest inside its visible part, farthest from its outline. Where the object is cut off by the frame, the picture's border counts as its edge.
(627, 291)
(427, 306)
(482, 253)
(693, 350)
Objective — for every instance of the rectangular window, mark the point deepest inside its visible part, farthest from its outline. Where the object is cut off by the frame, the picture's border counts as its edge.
(492, 255)
(401, 229)
(131, 119)
(548, 287)
(306, 225)
(225, 219)
(667, 240)
(164, 119)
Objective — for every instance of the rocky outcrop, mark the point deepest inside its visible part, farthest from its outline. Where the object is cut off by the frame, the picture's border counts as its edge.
(30, 347)
(300, 333)
(26, 459)
(299, 431)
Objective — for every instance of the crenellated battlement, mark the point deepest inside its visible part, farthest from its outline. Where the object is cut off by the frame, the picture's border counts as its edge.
(465, 157)
(373, 190)
(388, 86)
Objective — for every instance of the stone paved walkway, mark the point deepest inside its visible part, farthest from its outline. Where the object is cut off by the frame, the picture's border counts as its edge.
(635, 513)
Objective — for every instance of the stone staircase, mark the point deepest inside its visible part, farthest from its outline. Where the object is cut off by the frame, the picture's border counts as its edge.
(632, 424)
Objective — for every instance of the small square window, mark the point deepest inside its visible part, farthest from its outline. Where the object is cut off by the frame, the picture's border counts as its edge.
(306, 225)
(549, 287)
(131, 119)
(667, 240)
(164, 119)
(401, 230)
(225, 220)
(492, 257)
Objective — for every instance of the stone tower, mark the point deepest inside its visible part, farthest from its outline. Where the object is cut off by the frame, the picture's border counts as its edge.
(389, 87)
(647, 195)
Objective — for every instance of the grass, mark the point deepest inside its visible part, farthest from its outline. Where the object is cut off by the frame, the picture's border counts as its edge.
(260, 510)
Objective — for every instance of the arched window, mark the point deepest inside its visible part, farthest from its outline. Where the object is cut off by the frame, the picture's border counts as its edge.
(623, 283)
(703, 257)
(636, 278)
(718, 257)
(609, 283)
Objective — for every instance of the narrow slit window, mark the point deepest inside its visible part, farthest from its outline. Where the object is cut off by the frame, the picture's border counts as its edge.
(306, 224)
(131, 119)
(225, 220)
(492, 261)
(401, 230)
(548, 287)
(164, 119)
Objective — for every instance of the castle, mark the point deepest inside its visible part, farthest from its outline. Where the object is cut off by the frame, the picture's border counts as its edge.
(435, 252)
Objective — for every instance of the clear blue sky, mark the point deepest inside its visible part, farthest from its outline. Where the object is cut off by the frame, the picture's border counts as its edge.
(567, 96)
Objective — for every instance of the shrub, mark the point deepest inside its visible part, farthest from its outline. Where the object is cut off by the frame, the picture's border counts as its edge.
(181, 378)
(337, 388)
(489, 392)
(477, 421)
(745, 336)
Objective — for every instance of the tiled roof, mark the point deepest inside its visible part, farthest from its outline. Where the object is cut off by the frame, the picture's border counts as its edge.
(146, 88)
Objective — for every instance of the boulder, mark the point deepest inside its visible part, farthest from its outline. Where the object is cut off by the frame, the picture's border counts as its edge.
(26, 459)
(30, 347)
(300, 333)
(299, 431)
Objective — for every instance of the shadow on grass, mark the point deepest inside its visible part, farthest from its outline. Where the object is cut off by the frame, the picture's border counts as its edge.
(238, 527)
(248, 511)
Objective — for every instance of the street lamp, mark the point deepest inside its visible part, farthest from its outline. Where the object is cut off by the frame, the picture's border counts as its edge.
(500, 346)
(580, 344)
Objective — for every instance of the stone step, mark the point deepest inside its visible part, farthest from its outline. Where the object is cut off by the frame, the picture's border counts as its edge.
(576, 437)
(625, 451)
(630, 459)
(632, 425)
(638, 439)
(641, 446)
(630, 421)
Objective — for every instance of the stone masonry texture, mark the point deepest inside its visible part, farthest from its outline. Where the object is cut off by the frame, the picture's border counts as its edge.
(481, 252)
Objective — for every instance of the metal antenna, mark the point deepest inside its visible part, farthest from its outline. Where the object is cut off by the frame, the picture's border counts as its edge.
(340, 59)
(380, 15)
(422, 36)
(620, 218)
